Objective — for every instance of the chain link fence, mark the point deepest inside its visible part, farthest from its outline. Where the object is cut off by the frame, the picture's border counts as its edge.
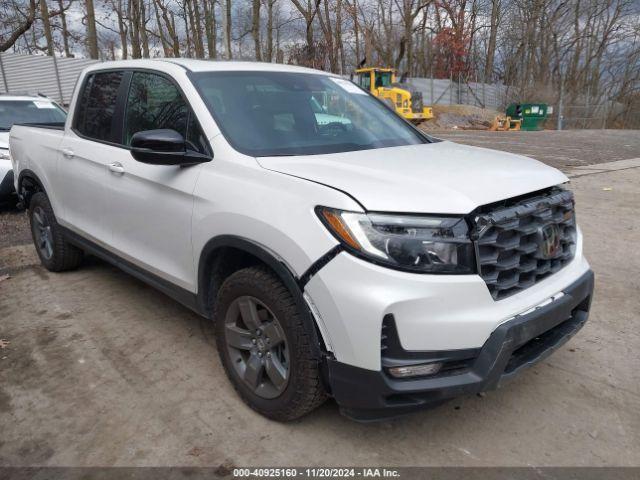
(607, 114)
(451, 92)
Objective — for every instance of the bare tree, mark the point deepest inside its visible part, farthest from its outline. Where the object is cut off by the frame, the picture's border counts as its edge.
(166, 44)
(210, 23)
(493, 36)
(17, 20)
(270, 26)
(44, 16)
(65, 29)
(92, 33)
(590, 47)
(227, 28)
(168, 17)
(308, 9)
(255, 28)
(122, 28)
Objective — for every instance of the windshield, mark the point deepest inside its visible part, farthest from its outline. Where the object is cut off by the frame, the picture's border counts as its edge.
(29, 111)
(383, 79)
(276, 113)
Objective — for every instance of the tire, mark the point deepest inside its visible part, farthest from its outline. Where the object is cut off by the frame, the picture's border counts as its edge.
(56, 254)
(280, 319)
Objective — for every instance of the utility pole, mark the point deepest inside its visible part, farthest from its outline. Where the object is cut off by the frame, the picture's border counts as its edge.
(484, 95)
(560, 106)
(431, 99)
(586, 107)
(431, 84)
(605, 114)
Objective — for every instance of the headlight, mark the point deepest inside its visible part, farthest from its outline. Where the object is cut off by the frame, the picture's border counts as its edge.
(4, 154)
(406, 242)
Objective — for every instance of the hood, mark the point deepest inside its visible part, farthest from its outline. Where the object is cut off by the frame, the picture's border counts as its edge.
(4, 139)
(441, 177)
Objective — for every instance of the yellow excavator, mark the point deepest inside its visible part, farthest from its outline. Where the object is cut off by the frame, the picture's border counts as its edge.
(382, 83)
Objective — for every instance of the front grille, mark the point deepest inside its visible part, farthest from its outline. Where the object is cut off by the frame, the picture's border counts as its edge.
(511, 249)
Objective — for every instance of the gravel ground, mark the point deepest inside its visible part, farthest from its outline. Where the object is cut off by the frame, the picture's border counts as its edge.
(100, 369)
(14, 227)
(561, 149)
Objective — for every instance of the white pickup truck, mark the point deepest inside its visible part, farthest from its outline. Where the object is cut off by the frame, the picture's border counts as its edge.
(355, 258)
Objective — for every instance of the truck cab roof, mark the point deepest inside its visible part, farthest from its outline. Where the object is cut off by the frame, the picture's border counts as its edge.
(194, 65)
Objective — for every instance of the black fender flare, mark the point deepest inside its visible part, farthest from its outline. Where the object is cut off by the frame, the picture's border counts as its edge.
(206, 289)
(23, 194)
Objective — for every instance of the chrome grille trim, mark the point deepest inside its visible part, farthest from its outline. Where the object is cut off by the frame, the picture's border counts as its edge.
(506, 238)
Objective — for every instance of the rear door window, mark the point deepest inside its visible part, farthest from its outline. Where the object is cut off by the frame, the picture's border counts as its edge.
(96, 111)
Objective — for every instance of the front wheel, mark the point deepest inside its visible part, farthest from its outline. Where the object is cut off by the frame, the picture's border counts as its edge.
(265, 346)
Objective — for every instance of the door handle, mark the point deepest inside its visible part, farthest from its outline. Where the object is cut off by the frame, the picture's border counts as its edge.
(116, 167)
(67, 153)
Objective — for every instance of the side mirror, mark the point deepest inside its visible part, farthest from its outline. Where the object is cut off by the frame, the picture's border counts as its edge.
(163, 147)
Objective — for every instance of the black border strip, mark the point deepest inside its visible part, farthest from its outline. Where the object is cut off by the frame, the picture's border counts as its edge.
(332, 469)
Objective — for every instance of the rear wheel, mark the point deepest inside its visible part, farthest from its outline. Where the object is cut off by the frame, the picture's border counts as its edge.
(55, 253)
(265, 346)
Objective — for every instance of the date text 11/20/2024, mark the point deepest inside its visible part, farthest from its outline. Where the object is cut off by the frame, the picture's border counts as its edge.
(322, 472)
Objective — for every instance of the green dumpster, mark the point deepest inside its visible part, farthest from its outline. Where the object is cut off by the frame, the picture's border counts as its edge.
(532, 115)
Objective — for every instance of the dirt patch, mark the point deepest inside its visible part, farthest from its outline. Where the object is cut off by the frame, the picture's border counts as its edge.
(20, 257)
(459, 117)
(5, 402)
(14, 227)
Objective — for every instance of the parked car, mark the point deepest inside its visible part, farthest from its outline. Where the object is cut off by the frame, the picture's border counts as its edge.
(370, 263)
(21, 109)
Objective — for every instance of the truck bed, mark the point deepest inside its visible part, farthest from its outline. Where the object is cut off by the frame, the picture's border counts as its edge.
(35, 147)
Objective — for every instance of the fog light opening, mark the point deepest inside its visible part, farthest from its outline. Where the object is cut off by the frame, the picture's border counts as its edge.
(421, 370)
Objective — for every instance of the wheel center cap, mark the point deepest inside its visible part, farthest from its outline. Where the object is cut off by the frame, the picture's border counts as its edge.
(261, 345)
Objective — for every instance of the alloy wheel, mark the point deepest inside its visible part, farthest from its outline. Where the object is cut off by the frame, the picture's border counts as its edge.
(42, 233)
(257, 346)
